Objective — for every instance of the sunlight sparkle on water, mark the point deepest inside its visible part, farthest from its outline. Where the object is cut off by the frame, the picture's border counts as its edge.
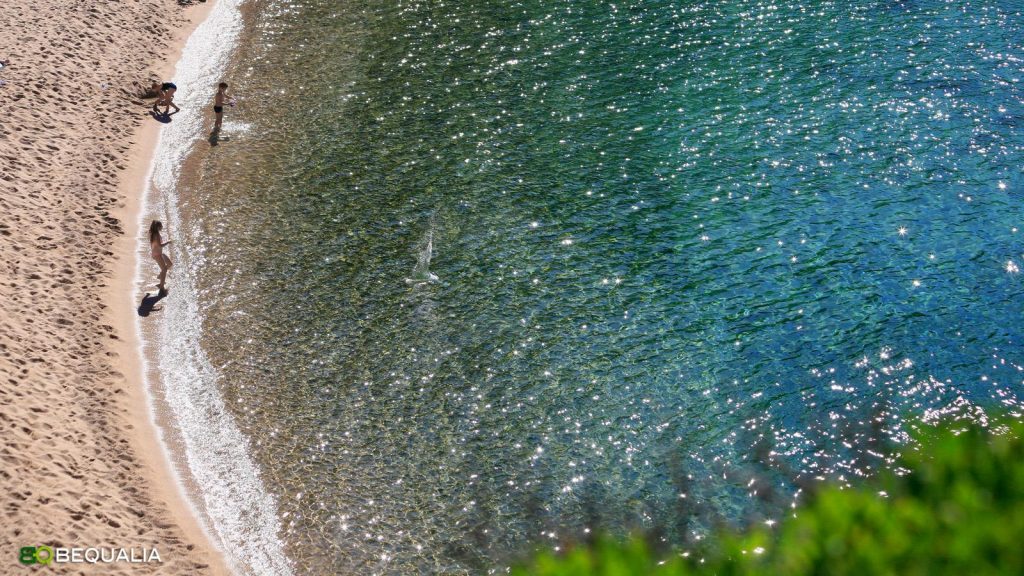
(740, 285)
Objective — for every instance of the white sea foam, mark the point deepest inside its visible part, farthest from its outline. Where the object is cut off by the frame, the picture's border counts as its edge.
(237, 512)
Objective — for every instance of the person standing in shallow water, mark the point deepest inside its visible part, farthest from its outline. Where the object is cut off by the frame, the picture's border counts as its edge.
(218, 104)
(156, 246)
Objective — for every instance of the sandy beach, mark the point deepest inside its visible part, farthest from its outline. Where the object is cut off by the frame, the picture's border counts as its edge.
(81, 463)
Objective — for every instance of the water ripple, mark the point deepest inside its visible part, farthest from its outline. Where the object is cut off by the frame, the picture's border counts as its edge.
(686, 260)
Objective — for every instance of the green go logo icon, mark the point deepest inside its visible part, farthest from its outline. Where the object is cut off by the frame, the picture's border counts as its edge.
(35, 555)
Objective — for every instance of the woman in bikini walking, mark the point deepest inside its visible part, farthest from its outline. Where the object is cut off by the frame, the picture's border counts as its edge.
(156, 246)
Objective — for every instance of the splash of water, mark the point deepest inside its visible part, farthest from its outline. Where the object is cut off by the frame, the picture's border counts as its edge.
(421, 273)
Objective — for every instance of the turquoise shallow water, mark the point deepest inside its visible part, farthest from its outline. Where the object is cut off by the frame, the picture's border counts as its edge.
(485, 276)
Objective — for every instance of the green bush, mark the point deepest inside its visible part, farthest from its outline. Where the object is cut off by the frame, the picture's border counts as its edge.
(959, 511)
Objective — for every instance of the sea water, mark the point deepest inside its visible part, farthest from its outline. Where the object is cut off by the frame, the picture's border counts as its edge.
(485, 277)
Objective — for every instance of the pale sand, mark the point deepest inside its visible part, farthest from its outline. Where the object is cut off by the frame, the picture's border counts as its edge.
(80, 465)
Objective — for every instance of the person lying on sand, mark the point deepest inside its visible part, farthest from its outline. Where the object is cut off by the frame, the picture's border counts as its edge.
(166, 98)
(156, 247)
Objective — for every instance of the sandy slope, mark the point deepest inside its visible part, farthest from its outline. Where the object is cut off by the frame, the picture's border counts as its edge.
(79, 464)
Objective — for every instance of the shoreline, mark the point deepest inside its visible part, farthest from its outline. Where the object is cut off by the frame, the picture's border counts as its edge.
(134, 188)
(99, 475)
(206, 451)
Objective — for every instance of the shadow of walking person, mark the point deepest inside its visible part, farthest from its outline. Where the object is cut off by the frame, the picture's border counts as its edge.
(149, 301)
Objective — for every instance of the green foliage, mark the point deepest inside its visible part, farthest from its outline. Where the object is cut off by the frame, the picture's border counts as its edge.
(960, 511)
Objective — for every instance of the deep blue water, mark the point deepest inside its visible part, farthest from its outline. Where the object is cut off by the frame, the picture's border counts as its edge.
(483, 276)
